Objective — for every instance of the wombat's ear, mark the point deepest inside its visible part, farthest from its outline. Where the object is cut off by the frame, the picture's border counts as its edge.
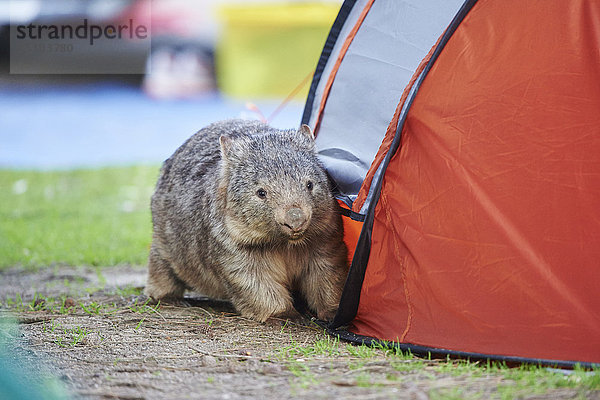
(225, 142)
(306, 131)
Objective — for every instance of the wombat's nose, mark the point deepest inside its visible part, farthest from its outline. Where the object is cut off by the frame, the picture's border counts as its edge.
(295, 219)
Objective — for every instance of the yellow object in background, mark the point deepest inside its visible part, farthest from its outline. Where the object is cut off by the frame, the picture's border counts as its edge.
(266, 50)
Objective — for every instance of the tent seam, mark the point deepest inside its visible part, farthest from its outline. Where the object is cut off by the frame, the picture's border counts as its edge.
(392, 127)
(409, 306)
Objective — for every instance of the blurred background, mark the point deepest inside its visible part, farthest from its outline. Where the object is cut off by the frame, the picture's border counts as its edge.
(208, 59)
(84, 129)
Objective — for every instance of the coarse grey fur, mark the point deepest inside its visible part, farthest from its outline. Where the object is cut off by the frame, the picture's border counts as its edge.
(244, 212)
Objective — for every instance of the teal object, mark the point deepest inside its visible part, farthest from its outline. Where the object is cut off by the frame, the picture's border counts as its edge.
(18, 380)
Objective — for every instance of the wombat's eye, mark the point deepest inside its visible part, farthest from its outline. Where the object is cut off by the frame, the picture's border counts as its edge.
(262, 193)
(309, 185)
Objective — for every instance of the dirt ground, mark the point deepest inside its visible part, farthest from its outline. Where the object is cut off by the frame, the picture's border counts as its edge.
(91, 331)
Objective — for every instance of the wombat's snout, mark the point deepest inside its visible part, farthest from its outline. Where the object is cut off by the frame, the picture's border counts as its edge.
(295, 222)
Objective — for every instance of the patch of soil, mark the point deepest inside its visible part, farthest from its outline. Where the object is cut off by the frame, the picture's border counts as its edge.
(90, 328)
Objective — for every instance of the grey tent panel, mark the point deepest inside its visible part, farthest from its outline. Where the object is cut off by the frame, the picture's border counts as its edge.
(344, 32)
(393, 39)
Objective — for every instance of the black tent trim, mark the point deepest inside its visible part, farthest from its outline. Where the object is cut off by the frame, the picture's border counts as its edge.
(438, 353)
(351, 295)
(332, 38)
(351, 214)
(432, 352)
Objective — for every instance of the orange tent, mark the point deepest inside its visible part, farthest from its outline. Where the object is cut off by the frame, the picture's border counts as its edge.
(464, 140)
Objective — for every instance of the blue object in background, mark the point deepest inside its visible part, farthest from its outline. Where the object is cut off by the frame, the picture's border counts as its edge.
(100, 124)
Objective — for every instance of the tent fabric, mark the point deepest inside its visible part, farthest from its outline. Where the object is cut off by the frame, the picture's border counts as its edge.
(349, 96)
(482, 236)
(349, 300)
(487, 212)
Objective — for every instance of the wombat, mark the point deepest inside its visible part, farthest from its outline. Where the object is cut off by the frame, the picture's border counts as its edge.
(244, 212)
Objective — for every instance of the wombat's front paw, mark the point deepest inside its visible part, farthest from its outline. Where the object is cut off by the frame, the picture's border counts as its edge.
(262, 311)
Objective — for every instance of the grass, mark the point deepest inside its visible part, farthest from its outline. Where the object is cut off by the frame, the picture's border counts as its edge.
(528, 380)
(144, 308)
(326, 346)
(304, 377)
(66, 337)
(64, 305)
(77, 217)
(372, 367)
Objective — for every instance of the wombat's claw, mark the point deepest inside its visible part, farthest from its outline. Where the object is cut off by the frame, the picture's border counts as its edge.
(175, 302)
(142, 299)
